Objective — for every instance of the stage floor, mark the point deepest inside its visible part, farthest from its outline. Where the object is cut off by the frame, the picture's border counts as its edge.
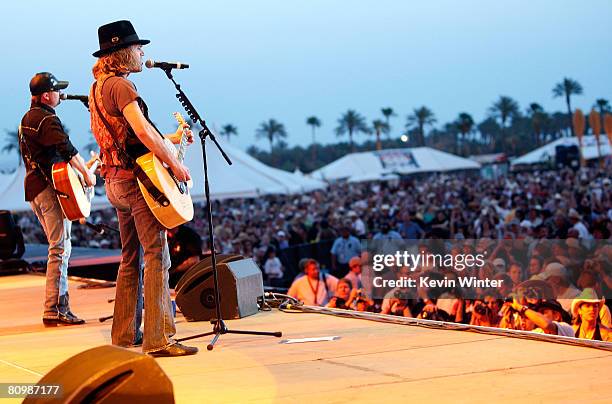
(370, 362)
(80, 256)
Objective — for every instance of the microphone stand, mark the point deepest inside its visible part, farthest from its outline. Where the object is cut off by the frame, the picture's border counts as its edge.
(219, 326)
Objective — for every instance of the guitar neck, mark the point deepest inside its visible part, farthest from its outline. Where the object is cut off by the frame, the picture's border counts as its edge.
(180, 155)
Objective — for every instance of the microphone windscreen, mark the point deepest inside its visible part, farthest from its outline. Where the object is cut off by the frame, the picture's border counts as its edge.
(150, 64)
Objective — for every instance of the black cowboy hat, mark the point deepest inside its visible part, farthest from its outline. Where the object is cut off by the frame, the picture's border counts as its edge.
(555, 306)
(117, 35)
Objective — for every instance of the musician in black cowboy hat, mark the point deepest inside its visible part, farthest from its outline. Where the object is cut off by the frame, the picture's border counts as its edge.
(43, 142)
(117, 35)
(122, 128)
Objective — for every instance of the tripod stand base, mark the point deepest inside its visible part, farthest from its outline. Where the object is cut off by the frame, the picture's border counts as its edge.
(219, 328)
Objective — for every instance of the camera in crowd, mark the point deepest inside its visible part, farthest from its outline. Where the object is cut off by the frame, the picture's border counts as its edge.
(482, 309)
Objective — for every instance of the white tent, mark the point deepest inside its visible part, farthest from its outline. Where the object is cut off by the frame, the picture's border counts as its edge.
(246, 177)
(547, 152)
(387, 164)
(13, 196)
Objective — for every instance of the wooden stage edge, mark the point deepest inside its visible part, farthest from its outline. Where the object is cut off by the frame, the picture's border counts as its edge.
(368, 362)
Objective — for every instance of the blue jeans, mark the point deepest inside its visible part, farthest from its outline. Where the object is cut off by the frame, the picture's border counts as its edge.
(57, 229)
(140, 229)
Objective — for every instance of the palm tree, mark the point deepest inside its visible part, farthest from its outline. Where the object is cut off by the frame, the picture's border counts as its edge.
(489, 130)
(12, 143)
(351, 122)
(604, 107)
(504, 110)
(567, 88)
(379, 127)
(229, 130)
(420, 118)
(314, 123)
(538, 117)
(465, 124)
(271, 130)
(388, 113)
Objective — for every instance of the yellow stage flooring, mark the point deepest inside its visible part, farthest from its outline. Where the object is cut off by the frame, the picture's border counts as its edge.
(371, 362)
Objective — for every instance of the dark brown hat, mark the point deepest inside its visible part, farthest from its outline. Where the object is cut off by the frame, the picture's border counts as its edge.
(117, 35)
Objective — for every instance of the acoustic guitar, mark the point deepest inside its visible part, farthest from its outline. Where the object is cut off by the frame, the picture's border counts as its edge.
(73, 195)
(180, 208)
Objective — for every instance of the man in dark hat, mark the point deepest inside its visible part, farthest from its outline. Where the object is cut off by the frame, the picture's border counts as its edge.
(43, 142)
(548, 316)
(122, 128)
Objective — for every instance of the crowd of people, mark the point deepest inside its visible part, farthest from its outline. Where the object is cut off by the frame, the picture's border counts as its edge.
(508, 214)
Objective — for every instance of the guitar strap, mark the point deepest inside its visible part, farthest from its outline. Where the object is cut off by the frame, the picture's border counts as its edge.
(129, 161)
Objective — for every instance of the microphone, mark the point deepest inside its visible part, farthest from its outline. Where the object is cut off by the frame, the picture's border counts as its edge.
(95, 227)
(166, 65)
(101, 228)
(82, 98)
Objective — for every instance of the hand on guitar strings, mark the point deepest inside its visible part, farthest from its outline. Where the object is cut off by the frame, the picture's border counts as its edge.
(180, 171)
(182, 129)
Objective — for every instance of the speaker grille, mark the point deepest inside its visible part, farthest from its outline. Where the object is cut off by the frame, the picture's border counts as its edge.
(240, 288)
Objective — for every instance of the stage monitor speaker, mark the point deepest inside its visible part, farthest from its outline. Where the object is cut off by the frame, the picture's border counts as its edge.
(12, 246)
(108, 374)
(240, 288)
(202, 265)
(11, 239)
(567, 156)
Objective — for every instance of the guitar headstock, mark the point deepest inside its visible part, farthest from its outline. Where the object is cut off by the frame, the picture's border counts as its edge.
(179, 118)
(184, 137)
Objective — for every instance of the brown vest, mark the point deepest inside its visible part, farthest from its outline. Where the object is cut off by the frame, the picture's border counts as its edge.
(107, 141)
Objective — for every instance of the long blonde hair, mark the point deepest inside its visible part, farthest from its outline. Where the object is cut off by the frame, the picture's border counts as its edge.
(119, 62)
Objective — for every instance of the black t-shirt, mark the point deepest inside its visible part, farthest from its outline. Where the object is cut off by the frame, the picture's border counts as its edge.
(46, 142)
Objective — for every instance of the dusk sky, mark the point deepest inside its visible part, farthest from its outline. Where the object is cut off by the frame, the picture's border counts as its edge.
(287, 60)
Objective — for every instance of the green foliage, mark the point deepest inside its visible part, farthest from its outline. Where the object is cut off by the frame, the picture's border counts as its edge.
(271, 130)
(300, 157)
(388, 113)
(416, 122)
(602, 105)
(380, 126)
(463, 136)
(351, 122)
(505, 129)
(11, 138)
(228, 131)
(504, 109)
(567, 88)
(313, 122)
